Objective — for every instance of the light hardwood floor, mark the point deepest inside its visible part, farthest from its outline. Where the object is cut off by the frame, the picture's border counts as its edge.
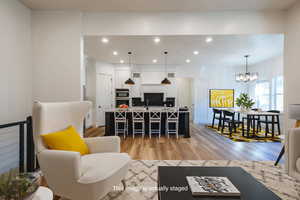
(203, 145)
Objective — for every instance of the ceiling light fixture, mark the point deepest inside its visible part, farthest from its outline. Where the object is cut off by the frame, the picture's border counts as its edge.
(129, 81)
(115, 53)
(156, 40)
(246, 77)
(187, 60)
(166, 80)
(154, 61)
(196, 52)
(104, 40)
(209, 39)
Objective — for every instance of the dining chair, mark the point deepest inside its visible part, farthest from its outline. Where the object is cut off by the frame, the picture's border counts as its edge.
(232, 123)
(271, 120)
(253, 120)
(217, 115)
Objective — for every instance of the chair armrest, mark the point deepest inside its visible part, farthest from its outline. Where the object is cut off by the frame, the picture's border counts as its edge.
(292, 140)
(103, 144)
(60, 165)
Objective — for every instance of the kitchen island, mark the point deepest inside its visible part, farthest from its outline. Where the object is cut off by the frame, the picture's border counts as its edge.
(183, 129)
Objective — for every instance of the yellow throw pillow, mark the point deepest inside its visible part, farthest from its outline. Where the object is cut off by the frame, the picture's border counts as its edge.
(66, 140)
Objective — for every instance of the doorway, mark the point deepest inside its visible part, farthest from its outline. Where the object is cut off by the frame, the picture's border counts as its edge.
(104, 96)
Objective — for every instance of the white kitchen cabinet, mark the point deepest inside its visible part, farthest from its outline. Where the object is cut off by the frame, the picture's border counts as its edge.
(121, 75)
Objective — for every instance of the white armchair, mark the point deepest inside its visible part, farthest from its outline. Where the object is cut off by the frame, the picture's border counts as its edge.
(292, 139)
(292, 160)
(69, 174)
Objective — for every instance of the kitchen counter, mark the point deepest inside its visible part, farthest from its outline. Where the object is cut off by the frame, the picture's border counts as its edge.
(184, 120)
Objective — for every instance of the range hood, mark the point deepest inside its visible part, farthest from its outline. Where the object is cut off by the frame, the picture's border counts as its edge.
(152, 78)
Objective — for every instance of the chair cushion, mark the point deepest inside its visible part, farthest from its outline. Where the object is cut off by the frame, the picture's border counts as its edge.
(100, 166)
(66, 140)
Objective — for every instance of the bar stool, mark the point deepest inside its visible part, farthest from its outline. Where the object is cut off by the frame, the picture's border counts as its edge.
(138, 119)
(121, 125)
(217, 116)
(154, 119)
(172, 119)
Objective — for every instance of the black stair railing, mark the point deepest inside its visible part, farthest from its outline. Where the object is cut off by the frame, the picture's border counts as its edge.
(29, 153)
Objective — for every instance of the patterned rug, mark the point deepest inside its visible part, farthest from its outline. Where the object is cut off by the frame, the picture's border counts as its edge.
(238, 137)
(142, 178)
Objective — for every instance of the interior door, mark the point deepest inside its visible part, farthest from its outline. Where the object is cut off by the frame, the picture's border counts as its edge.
(104, 97)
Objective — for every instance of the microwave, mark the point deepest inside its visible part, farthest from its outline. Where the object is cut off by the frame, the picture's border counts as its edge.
(122, 93)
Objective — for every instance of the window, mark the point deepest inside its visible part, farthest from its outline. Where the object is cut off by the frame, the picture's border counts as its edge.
(262, 95)
(277, 93)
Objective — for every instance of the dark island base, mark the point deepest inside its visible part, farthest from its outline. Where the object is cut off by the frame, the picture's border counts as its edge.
(183, 129)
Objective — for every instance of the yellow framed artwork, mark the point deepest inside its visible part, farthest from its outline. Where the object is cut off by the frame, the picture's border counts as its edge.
(221, 98)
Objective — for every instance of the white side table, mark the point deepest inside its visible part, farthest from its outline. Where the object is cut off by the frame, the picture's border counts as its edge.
(42, 193)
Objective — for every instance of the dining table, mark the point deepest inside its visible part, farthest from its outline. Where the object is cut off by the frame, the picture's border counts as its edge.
(251, 116)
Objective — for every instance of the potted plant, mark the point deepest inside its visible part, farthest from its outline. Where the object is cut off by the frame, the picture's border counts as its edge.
(244, 102)
(15, 186)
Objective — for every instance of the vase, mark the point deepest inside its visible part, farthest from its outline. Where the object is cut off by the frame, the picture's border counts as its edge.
(244, 109)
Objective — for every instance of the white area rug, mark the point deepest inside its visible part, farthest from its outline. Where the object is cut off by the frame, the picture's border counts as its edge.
(142, 178)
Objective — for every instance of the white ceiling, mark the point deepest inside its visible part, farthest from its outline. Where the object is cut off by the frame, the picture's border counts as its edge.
(223, 51)
(159, 5)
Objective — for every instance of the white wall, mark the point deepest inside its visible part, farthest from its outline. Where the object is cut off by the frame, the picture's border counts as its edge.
(267, 70)
(291, 60)
(56, 38)
(15, 76)
(213, 77)
(56, 55)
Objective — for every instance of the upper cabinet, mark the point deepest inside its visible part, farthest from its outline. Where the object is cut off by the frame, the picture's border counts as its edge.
(121, 75)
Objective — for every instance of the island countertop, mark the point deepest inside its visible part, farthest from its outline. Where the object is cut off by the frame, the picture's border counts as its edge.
(184, 120)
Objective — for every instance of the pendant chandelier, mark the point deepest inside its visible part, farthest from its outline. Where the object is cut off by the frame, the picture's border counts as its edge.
(246, 77)
(129, 81)
(166, 81)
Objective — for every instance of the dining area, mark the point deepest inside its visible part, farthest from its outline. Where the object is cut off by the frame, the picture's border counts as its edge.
(250, 122)
(244, 123)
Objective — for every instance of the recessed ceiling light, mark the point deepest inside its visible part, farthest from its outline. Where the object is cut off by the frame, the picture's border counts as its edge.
(209, 39)
(104, 40)
(115, 53)
(196, 52)
(156, 40)
(187, 60)
(154, 61)
(121, 61)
